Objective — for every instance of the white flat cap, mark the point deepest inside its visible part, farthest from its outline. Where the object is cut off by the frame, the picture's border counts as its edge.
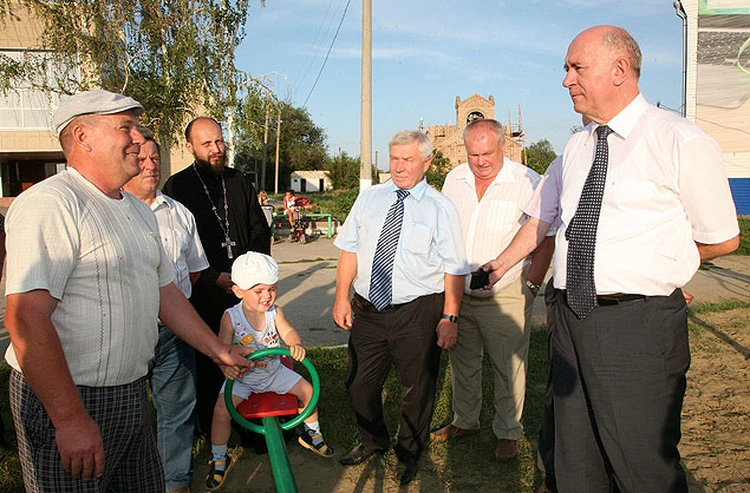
(98, 102)
(254, 268)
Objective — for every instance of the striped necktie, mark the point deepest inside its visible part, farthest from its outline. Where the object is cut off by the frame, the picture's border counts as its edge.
(581, 233)
(381, 279)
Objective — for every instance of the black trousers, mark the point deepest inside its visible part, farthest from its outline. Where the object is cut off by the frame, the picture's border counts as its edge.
(546, 444)
(405, 336)
(210, 304)
(619, 382)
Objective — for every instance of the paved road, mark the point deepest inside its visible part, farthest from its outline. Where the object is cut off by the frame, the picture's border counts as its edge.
(308, 281)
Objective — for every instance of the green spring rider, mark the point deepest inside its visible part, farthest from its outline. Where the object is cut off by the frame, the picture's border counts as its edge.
(267, 407)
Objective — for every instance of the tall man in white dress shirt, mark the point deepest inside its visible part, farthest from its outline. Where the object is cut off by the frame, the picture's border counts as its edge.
(172, 370)
(490, 192)
(417, 318)
(620, 353)
(87, 277)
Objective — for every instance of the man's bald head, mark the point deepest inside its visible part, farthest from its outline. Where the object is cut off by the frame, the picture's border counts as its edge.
(603, 65)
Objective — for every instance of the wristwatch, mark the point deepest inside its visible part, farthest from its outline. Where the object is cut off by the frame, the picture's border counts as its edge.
(450, 318)
(533, 287)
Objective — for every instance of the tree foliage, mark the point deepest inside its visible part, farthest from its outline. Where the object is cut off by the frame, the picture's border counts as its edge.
(438, 170)
(539, 155)
(174, 56)
(302, 144)
(343, 171)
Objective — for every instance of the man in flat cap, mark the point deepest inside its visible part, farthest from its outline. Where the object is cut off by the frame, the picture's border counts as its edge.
(87, 278)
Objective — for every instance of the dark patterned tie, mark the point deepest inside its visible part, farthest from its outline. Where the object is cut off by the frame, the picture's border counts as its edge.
(581, 233)
(381, 288)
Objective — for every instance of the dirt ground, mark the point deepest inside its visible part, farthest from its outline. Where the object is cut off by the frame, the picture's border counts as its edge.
(716, 415)
(715, 445)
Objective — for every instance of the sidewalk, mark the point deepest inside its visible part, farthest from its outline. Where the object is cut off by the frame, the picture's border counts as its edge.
(308, 281)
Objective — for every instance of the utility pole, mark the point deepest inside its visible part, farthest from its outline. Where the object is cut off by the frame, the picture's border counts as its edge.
(680, 11)
(365, 146)
(263, 182)
(278, 135)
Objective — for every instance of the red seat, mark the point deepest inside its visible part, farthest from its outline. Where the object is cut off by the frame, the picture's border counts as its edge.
(269, 404)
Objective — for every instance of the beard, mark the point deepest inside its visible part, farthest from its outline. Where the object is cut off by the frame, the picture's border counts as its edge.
(217, 168)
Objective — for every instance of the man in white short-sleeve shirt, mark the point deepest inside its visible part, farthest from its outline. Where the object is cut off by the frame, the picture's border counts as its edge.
(172, 369)
(87, 277)
(490, 192)
(619, 365)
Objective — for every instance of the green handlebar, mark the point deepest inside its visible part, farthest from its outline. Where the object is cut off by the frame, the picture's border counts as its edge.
(314, 379)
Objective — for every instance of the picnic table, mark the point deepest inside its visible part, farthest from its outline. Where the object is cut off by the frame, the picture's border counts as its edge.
(307, 217)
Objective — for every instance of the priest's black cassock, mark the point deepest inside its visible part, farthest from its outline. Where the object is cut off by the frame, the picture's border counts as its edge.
(248, 231)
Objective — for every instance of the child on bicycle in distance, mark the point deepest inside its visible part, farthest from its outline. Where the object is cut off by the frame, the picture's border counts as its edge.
(258, 323)
(290, 206)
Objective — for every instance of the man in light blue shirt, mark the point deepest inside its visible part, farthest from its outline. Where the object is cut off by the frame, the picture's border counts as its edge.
(423, 300)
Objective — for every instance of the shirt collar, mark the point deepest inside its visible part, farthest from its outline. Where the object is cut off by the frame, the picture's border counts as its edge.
(159, 201)
(417, 191)
(464, 173)
(504, 175)
(625, 121)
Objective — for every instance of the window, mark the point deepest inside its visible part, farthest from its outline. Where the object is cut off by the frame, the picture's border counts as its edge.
(28, 108)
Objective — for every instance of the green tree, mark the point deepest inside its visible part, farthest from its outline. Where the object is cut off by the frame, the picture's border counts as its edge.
(438, 170)
(539, 155)
(174, 56)
(253, 136)
(344, 171)
(302, 144)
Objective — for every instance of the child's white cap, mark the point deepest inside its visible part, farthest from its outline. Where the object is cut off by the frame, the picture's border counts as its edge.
(254, 268)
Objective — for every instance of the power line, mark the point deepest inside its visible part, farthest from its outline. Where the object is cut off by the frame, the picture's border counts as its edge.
(315, 48)
(304, 105)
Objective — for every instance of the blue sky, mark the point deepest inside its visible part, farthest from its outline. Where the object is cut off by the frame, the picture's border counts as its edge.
(425, 53)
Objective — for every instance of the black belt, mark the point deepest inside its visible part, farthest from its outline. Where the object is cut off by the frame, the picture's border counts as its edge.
(366, 305)
(617, 298)
(614, 299)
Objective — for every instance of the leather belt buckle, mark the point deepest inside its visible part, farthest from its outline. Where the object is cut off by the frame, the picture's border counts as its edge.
(617, 298)
(394, 307)
(607, 300)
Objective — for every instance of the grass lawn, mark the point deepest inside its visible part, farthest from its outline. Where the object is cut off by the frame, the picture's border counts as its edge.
(10, 468)
(480, 473)
(744, 248)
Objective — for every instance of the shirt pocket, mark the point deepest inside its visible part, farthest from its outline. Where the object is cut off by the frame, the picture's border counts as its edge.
(502, 216)
(631, 194)
(416, 238)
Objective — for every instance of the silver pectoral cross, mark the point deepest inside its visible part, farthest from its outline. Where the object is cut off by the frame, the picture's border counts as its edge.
(228, 244)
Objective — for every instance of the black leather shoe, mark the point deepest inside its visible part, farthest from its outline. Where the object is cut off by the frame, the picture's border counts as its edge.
(358, 455)
(405, 472)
